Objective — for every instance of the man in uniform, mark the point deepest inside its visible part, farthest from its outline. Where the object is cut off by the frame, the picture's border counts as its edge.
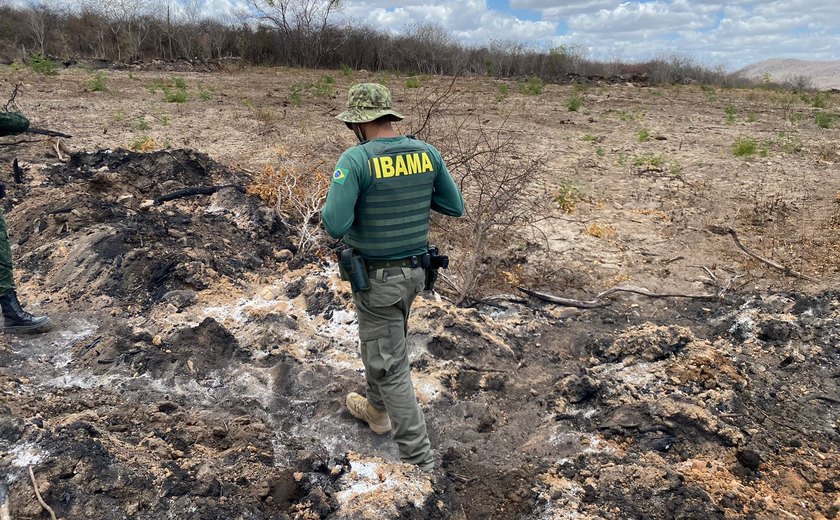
(380, 200)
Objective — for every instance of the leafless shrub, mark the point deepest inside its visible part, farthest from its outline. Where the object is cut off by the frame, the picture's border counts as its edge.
(503, 198)
(297, 196)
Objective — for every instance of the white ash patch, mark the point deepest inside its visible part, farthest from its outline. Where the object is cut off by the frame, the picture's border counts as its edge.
(375, 489)
(26, 454)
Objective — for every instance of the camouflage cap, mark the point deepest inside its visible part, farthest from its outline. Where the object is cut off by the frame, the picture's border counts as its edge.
(366, 102)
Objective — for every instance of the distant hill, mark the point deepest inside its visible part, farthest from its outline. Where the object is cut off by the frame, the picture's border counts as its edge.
(824, 75)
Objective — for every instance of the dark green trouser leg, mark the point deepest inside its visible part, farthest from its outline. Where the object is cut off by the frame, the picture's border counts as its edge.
(383, 317)
(7, 279)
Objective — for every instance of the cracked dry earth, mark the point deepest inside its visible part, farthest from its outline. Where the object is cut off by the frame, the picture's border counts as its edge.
(197, 369)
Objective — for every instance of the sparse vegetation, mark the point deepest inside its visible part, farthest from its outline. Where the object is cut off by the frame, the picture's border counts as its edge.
(141, 124)
(503, 89)
(568, 197)
(824, 119)
(731, 114)
(143, 143)
(589, 138)
(98, 83)
(600, 151)
(649, 161)
(643, 135)
(532, 87)
(347, 70)
(180, 83)
(177, 95)
(412, 82)
(573, 103)
(744, 147)
(42, 65)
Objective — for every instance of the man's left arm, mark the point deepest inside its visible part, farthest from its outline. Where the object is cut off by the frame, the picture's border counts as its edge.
(339, 210)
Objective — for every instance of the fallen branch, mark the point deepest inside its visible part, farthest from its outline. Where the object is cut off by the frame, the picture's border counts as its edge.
(721, 230)
(18, 172)
(601, 301)
(47, 508)
(197, 190)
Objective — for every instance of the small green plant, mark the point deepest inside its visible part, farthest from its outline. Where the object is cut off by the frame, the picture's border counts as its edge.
(751, 118)
(164, 119)
(789, 142)
(322, 89)
(589, 138)
(143, 143)
(504, 89)
(644, 135)
(296, 98)
(328, 80)
(205, 94)
(731, 114)
(177, 95)
(573, 103)
(488, 67)
(600, 151)
(579, 88)
(119, 116)
(824, 119)
(532, 87)
(622, 159)
(625, 115)
(43, 65)
(568, 197)
(412, 82)
(649, 161)
(796, 117)
(744, 147)
(709, 91)
(346, 70)
(764, 148)
(180, 83)
(820, 101)
(675, 169)
(141, 124)
(98, 83)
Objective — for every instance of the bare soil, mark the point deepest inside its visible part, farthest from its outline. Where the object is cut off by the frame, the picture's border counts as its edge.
(198, 364)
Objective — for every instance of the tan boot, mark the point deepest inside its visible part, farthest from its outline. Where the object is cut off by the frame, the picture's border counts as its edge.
(360, 408)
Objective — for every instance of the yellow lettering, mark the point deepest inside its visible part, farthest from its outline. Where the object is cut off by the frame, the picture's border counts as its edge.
(400, 168)
(427, 163)
(413, 163)
(375, 161)
(387, 166)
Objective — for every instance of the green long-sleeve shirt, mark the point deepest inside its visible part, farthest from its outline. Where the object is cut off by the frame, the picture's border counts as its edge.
(353, 177)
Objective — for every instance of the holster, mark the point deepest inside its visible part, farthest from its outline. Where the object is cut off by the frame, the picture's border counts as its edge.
(432, 262)
(352, 269)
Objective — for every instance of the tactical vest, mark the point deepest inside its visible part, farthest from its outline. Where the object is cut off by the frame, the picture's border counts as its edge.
(392, 213)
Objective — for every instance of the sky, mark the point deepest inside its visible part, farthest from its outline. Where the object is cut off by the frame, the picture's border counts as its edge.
(729, 34)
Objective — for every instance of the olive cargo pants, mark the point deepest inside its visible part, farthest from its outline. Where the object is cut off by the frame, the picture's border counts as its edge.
(383, 324)
(7, 279)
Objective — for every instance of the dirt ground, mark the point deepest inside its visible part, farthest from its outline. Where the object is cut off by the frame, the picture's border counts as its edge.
(198, 364)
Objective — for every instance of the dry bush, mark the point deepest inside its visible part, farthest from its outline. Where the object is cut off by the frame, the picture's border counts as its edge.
(504, 199)
(297, 196)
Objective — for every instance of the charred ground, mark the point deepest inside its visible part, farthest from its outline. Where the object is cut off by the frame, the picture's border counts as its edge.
(197, 368)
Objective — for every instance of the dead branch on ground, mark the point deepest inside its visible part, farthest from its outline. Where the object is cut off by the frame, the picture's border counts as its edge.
(722, 230)
(47, 508)
(195, 190)
(601, 300)
(11, 106)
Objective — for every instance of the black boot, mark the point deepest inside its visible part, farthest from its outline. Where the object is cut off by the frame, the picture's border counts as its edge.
(18, 321)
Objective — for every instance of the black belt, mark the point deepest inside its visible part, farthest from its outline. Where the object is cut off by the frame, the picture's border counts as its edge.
(412, 261)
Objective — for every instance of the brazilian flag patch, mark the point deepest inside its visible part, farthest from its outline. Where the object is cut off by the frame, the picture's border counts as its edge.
(339, 176)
